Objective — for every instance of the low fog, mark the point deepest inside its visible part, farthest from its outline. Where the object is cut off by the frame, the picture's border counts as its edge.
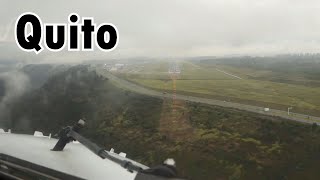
(14, 84)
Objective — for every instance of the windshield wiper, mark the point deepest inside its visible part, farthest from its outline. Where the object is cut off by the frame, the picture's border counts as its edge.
(70, 133)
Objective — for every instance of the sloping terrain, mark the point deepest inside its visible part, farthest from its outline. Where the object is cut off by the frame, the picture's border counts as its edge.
(207, 142)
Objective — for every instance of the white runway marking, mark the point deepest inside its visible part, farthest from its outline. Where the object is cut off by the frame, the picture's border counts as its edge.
(228, 74)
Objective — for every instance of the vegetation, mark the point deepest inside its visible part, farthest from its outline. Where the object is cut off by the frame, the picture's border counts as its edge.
(265, 82)
(207, 142)
(293, 68)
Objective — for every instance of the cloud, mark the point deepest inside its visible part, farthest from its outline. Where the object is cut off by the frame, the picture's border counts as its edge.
(187, 27)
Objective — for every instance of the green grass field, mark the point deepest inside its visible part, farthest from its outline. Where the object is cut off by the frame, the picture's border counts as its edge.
(206, 81)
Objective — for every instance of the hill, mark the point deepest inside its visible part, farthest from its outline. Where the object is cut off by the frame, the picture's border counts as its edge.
(208, 142)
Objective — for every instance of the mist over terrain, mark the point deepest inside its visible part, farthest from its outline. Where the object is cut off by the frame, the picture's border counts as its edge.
(13, 85)
(15, 81)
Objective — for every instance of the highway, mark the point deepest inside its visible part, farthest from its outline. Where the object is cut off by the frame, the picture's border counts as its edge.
(256, 109)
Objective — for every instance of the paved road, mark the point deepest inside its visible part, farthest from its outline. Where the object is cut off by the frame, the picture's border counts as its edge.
(272, 112)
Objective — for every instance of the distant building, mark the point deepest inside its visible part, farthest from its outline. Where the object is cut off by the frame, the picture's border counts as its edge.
(119, 66)
(113, 69)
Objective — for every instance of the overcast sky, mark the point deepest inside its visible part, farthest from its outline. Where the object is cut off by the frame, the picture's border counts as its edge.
(179, 28)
